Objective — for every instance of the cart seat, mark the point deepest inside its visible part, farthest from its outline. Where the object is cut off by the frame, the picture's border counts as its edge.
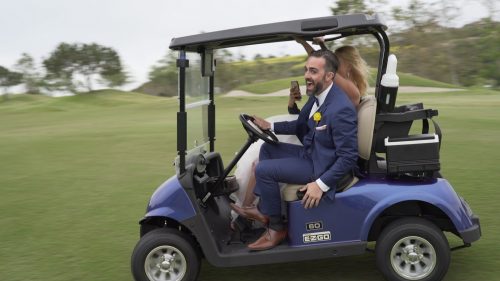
(366, 124)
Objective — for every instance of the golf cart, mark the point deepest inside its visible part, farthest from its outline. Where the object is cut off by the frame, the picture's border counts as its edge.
(399, 199)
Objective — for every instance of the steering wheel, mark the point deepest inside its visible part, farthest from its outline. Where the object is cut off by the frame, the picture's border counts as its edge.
(255, 132)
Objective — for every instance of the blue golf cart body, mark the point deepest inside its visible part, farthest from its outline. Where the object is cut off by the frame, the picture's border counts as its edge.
(402, 200)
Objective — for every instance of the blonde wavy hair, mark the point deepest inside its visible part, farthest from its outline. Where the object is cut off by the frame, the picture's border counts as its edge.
(358, 72)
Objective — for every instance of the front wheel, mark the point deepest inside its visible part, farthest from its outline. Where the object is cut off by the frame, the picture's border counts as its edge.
(167, 255)
(412, 249)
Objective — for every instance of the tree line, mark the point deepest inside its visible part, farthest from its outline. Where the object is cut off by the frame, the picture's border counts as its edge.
(69, 68)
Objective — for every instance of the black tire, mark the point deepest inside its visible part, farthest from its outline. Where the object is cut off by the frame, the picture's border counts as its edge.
(166, 253)
(412, 249)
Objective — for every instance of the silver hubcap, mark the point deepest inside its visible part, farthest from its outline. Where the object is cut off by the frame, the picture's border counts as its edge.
(413, 258)
(165, 263)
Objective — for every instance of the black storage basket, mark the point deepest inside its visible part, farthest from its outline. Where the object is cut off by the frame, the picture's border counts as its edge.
(413, 154)
(416, 154)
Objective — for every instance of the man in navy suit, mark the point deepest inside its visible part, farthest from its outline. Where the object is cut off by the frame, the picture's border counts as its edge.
(327, 128)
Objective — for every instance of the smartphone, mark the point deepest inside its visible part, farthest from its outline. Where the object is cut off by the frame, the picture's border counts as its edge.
(295, 90)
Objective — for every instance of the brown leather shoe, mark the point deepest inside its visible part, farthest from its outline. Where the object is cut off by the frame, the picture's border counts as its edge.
(270, 239)
(251, 213)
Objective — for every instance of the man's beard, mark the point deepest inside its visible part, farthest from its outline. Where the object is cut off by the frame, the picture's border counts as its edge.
(318, 87)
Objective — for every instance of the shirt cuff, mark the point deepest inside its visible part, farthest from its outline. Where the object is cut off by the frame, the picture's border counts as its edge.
(272, 126)
(322, 185)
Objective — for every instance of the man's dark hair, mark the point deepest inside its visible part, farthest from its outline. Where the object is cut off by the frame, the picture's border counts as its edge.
(331, 60)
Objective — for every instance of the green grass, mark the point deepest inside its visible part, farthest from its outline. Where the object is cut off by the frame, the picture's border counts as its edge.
(267, 87)
(77, 172)
(405, 79)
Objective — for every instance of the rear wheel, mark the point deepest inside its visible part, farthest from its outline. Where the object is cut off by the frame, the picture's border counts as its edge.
(412, 249)
(166, 255)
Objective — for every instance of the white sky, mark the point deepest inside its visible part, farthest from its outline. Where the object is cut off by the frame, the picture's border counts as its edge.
(140, 31)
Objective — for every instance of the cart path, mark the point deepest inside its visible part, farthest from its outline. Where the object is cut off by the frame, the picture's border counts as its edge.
(402, 89)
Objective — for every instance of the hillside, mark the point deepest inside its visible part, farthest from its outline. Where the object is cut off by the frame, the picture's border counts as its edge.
(464, 56)
(160, 87)
(279, 84)
(230, 74)
(267, 75)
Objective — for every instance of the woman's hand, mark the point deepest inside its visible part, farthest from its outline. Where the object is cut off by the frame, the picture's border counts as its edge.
(321, 42)
(294, 95)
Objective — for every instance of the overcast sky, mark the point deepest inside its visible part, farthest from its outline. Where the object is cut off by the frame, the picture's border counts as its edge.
(141, 30)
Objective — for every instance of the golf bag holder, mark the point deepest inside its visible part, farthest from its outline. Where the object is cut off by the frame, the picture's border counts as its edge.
(405, 154)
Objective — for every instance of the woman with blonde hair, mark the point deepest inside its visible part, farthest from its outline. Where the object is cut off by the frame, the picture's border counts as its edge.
(352, 73)
(353, 67)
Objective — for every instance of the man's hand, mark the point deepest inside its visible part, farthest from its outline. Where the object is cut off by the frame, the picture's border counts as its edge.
(313, 195)
(263, 124)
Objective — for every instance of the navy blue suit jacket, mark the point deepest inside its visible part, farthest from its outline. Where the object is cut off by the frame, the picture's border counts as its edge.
(332, 143)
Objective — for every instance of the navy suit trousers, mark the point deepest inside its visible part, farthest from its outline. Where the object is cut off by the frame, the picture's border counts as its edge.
(283, 162)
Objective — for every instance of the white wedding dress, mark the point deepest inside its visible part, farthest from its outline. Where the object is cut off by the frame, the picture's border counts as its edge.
(244, 166)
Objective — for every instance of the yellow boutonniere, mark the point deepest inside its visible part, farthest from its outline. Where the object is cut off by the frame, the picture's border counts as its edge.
(317, 117)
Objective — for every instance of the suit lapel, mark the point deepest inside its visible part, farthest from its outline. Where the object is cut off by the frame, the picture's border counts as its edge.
(328, 100)
(322, 109)
(308, 106)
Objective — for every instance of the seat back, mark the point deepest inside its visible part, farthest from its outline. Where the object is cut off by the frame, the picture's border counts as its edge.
(366, 123)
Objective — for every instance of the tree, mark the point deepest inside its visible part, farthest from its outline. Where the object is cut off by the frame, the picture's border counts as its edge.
(8, 79)
(342, 7)
(60, 68)
(417, 14)
(69, 64)
(348, 7)
(166, 66)
(258, 57)
(94, 59)
(163, 77)
(31, 78)
(227, 74)
(449, 12)
(224, 55)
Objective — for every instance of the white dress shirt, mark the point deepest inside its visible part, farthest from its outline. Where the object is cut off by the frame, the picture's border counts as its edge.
(321, 98)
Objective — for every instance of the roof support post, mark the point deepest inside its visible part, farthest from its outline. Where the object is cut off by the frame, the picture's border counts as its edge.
(182, 64)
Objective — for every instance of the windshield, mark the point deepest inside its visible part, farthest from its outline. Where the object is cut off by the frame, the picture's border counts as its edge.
(197, 101)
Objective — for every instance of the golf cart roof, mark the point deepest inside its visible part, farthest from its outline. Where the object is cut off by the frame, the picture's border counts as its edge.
(344, 25)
